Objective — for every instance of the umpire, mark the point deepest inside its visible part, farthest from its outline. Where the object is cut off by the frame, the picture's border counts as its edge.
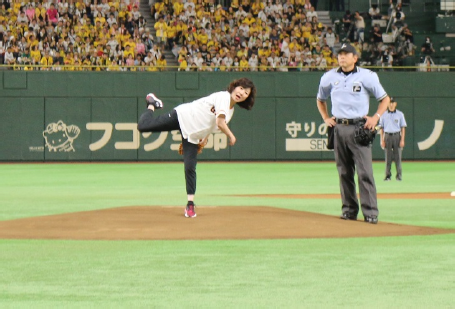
(393, 127)
(349, 88)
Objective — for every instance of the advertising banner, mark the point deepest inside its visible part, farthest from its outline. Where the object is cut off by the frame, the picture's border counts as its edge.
(56, 117)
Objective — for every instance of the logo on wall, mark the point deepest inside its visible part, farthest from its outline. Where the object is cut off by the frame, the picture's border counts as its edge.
(434, 136)
(60, 137)
(310, 142)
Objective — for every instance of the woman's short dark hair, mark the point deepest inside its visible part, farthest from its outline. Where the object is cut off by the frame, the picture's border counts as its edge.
(245, 83)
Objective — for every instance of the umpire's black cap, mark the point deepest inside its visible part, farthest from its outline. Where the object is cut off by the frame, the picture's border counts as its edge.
(346, 47)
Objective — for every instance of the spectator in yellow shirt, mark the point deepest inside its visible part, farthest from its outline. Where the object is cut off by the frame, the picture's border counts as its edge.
(130, 43)
(80, 5)
(124, 38)
(97, 42)
(160, 27)
(213, 44)
(306, 31)
(300, 14)
(265, 51)
(333, 61)
(190, 38)
(263, 66)
(161, 63)
(100, 19)
(219, 13)
(104, 34)
(122, 14)
(114, 67)
(183, 64)
(159, 9)
(200, 13)
(35, 54)
(40, 12)
(86, 62)
(223, 66)
(300, 4)
(182, 32)
(128, 51)
(313, 40)
(151, 67)
(255, 28)
(171, 32)
(235, 5)
(17, 7)
(78, 65)
(178, 7)
(32, 41)
(104, 61)
(326, 53)
(46, 61)
(295, 44)
(296, 32)
(242, 52)
(202, 38)
(256, 7)
(249, 19)
(244, 64)
(77, 27)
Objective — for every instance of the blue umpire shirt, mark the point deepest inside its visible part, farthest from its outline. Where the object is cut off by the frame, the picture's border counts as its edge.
(392, 122)
(350, 94)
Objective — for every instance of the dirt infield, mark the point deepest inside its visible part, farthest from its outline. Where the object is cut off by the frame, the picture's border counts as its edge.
(168, 223)
(409, 196)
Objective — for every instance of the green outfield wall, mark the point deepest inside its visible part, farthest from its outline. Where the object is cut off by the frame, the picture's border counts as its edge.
(92, 116)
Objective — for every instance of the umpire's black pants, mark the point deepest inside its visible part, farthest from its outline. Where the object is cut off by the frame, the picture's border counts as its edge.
(392, 153)
(348, 157)
(168, 122)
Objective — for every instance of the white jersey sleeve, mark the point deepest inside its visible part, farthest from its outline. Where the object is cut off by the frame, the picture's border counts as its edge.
(198, 118)
(221, 104)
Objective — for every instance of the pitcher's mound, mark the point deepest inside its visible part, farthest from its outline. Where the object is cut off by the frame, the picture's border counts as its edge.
(164, 223)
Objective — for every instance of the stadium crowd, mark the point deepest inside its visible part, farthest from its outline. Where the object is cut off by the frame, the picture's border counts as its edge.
(248, 35)
(77, 35)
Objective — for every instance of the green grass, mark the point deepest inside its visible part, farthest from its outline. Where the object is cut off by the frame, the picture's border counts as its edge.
(383, 272)
(359, 272)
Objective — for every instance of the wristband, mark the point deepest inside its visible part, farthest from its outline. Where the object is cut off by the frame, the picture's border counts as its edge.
(379, 116)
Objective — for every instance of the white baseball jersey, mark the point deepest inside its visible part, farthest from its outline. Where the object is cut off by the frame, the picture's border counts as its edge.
(198, 118)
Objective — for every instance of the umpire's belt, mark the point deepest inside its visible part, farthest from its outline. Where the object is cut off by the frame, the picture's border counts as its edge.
(349, 121)
(394, 133)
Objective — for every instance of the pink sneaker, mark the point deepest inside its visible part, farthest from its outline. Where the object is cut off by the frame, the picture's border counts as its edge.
(189, 211)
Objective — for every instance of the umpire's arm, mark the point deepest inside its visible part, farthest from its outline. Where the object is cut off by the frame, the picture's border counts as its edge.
(324, 91)
(373, 120)
(322, 107)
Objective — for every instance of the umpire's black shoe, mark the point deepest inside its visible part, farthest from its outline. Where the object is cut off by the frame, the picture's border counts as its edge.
(387, 178)
(372, 219)
(346, 216)
(399, 177)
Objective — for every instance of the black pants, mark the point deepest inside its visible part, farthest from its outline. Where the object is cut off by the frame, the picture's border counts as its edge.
(392, 153)
(348, 157)
(168, 122)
